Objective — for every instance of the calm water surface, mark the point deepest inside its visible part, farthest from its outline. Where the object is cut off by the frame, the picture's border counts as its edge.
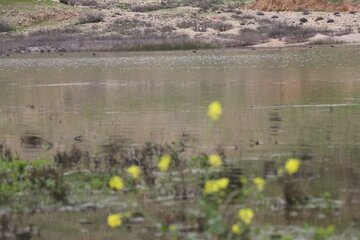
(277, 103)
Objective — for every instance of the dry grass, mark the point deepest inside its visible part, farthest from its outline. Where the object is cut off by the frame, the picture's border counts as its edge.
(327, 41)
(187, 23)
(250, 37)
(291, 33)
(218, 25)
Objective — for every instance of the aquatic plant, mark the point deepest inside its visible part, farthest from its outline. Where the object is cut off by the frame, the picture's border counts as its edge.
(164, 163)
(292, 166)
(214, 186)
(246, 215)
(221, 202)
(215, 160)
(260, 183)
(134, 171)
(114, 220)
(116, 183)
(214, 110)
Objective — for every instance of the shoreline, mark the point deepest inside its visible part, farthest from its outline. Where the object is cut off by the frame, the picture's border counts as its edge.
(272, 44)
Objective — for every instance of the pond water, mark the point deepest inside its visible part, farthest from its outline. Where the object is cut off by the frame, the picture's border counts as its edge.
(276, 104)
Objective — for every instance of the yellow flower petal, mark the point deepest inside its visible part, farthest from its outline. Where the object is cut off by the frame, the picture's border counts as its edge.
(173, 228)
(292, 166)
(211, 186)
(164, 163)
(114, 220)
(214, 110)
(246, 215)
(116, 183)
(223, 183)
(260, 183)
(235, 229)
(215, 160)
(134, 171)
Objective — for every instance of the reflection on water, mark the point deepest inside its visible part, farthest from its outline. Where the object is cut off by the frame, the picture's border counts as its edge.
(277, 103)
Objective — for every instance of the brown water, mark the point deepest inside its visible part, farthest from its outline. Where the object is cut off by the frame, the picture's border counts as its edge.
(270, 96)
(277, 103)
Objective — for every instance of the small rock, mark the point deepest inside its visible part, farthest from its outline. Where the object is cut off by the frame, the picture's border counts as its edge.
(88, 206)
(85, 221)
(303, 20)
(319, 19)
(67, 209)
(137, 220)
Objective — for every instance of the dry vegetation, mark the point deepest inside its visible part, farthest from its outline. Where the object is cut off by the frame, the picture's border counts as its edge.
(4, 26)
(171, 24)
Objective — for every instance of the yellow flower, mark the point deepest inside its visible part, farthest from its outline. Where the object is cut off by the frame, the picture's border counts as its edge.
(222, 183)
(214, 110)
(114, 220)
(134, 171)
(215, 160)
(260, 183)
(164, 163)
(292, 166)
(116, 183)
(213, 186)
(173, 228)
(235, 229)
(246, 215)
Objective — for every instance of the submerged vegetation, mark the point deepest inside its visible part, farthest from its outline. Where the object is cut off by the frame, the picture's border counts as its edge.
(162, 189)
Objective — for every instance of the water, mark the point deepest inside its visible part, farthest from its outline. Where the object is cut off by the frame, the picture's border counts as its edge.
(277, 104)
(307, 96)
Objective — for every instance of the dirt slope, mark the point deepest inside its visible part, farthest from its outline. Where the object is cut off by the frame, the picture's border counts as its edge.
(295, 5)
